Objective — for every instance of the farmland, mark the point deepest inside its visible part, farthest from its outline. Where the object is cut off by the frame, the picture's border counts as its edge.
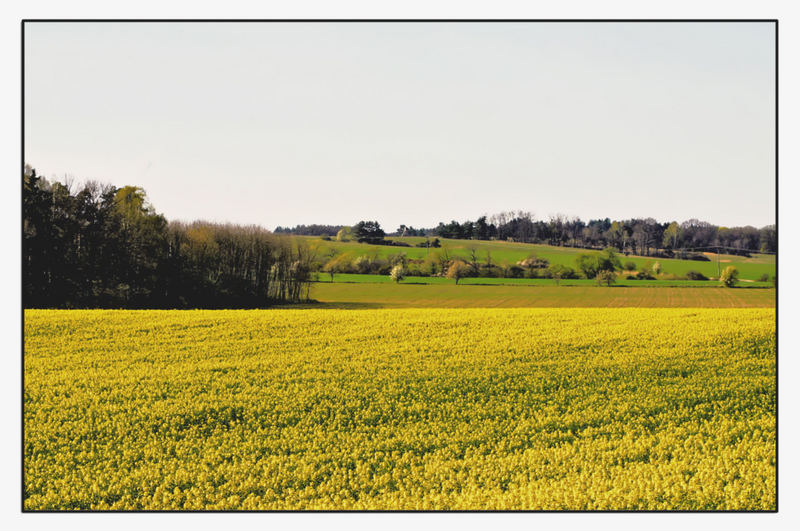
(449, 295)
(535, 408)
(751, 268)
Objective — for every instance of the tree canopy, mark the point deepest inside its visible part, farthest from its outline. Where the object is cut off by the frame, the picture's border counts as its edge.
(368, 232)
(101, 246)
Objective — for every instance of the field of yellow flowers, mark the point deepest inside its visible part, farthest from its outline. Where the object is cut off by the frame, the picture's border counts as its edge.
(543, 409)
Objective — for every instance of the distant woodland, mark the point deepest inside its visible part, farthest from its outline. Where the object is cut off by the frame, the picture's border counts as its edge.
(99, 246)
(639, 236)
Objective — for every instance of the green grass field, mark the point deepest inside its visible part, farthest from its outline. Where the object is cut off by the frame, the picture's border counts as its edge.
(384, 279)
(511, 252)
(390, 295)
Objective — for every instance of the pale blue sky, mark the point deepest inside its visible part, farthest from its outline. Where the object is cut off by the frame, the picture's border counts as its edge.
(280, 124)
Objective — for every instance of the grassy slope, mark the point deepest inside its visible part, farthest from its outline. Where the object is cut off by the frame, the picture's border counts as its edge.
(511, 252)
(387, 295)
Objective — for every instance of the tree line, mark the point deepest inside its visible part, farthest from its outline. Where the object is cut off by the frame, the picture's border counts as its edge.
(309, 230)
(98, 246)
(640, 236)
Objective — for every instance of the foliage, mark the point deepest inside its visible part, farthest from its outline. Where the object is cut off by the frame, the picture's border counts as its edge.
(657, 268)
(398, 273)
(639, 236)
(697, 257)
(404, 230)
(107, 247)
(729, 276)
(340, 263)
(458, 270)
(427, 243)
(482, 409)
(606, 277)
(492, 271)
(630, 266)
(671, 235)
(344, 234)
(593, 264)
(399, 258)
(368, 232)
(695, 275)
(644, 274)
(515, 271)
(558, 272)
(309, 230)
(587, 264)
(608, 260)
(512, 252)
(534, 262)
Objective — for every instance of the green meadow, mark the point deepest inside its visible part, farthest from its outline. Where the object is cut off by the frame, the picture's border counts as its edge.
(391, 295)
(751, 268)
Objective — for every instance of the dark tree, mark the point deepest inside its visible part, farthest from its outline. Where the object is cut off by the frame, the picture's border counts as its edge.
(368, 232)
(768, 239)
(107, 247)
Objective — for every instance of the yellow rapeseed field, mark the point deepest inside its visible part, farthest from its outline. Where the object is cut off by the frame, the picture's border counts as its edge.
(542, 409)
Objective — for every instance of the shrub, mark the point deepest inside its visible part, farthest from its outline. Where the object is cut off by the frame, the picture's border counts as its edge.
(430, 243)
(516, 271)
(399, 258)
(729, 277)
(608, 260)
(663, 253)
(695, 275)
(698, 257)
(398, 273)
(630, 266)
(362, 264)
(587, 263)
(534, 262)
(763, 278)
(558, 272)
(489, 271)
(381, 267)
(531, 273)
(430, 266)
(606, 277)
(344, 234)
(458, 270)
(657, 268)
(414, 269)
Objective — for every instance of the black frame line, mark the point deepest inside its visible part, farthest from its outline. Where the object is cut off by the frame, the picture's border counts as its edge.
(372, 20)
(403, 20)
